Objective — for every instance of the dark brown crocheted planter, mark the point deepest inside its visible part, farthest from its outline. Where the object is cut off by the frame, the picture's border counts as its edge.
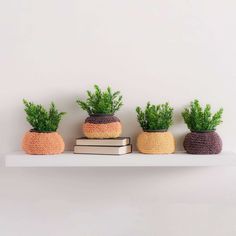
(101, 119)
(203, 143)
(102, 126)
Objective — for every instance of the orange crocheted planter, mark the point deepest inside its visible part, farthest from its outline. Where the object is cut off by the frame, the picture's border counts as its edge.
(102, 126)
(36, 143)
(156, 143)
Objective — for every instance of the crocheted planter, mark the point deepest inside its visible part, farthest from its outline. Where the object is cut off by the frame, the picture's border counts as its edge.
(102, 126)
(203, 143)
(36, 143)
(156, 142)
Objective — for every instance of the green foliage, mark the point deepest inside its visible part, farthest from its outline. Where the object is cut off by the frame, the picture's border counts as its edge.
(155, 117)
(40, 119)
(200, 119)
(101, 102)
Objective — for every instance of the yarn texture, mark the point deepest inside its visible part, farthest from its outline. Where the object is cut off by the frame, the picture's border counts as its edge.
(203, 143)
(156, 143)
(102, 126)
(36, 143)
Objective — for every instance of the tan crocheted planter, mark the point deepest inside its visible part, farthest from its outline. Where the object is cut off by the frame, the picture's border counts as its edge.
(102, 126)
(36, 143)
(203, 143)
(156, 143)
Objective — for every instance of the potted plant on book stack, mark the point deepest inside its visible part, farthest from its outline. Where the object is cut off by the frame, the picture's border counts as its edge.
(42, 138)
(203, 138)
(101, 107)
(155, 121)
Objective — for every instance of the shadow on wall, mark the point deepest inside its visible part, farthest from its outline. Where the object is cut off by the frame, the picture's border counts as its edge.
(71, 125)
(130, 125)
(179, 128)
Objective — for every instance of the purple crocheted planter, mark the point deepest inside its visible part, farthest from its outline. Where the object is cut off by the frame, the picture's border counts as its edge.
(203, 143)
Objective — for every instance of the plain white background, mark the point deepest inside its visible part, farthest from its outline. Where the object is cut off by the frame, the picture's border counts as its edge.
(158, 51)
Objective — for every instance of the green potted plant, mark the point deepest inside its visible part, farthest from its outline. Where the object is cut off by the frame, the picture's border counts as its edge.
(101, 107)
(155, 121)
(203, 138)
(42, 139)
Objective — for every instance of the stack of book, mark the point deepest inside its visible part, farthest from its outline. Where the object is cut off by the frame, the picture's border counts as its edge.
(115, 146)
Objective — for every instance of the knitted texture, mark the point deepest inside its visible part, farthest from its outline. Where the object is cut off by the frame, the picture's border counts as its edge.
(203, 143)
(102, 127)
(156, 143)
(101, 119)
(35, 143)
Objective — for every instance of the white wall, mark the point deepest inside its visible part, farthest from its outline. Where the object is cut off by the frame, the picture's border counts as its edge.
(150, 50)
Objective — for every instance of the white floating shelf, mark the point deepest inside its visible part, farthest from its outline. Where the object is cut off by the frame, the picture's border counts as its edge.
(68, 159)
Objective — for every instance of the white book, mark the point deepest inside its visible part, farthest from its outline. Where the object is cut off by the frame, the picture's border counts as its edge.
(108, 150)
(122, 141)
